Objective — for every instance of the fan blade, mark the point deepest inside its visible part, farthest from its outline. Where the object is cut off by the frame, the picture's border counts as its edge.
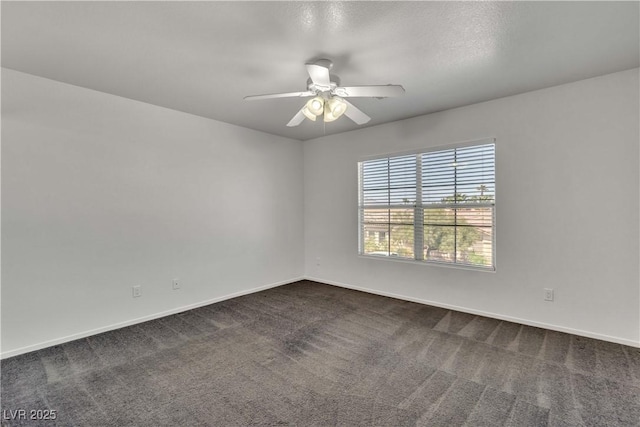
(297, 119)
(355, 114)
(279, 95)
(319, 76)
(370, 91)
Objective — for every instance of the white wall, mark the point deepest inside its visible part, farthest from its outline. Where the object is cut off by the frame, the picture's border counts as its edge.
(100, 193)
(567, 208)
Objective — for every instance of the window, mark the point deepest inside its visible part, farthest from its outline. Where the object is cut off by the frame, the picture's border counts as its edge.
(434, 206)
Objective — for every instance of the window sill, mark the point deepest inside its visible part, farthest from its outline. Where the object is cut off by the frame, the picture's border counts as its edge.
(429, 263)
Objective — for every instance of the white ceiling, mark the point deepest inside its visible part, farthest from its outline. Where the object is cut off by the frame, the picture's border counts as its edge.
(204, 57)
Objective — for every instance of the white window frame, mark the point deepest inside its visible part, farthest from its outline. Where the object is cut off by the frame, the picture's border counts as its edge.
(419, 209)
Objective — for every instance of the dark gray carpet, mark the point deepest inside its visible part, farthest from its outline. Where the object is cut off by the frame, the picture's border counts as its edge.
(313, 354)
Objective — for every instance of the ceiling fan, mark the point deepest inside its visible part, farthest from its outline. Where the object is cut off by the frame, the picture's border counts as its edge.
(328, 96)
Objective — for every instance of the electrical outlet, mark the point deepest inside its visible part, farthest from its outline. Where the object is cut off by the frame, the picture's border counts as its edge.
(137, 291)
(317, 261)
(548, 294)
(175, 283)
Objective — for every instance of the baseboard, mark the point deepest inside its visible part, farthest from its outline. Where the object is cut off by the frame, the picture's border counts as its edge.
(84, 334)
(557, 328)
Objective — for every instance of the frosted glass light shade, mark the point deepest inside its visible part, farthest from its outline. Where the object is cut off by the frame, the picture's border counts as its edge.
(334, 108)
(308, 114)
(316, 105)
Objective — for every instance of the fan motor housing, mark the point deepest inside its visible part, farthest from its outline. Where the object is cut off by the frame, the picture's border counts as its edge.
(335, 82)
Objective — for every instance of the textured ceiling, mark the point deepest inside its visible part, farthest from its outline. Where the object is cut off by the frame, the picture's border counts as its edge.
(204, 57)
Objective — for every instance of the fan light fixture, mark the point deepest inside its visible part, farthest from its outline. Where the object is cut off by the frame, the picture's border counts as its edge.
(313, 108)
(334, 108)
(308, 114)
(316, 105)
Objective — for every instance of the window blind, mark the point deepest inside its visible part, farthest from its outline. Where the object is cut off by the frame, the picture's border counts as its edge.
(433, 206)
